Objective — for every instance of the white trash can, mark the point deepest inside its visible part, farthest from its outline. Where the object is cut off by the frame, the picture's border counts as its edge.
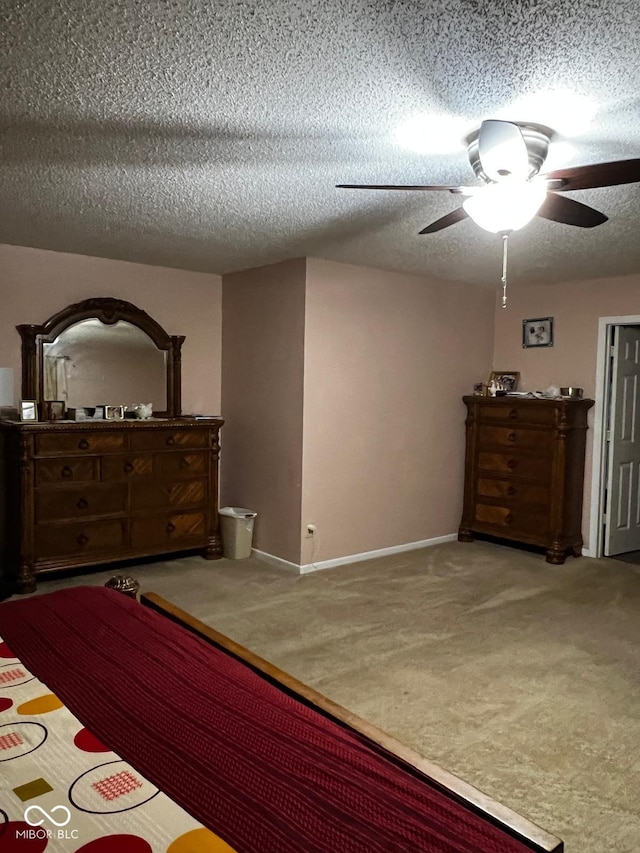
(236, 525)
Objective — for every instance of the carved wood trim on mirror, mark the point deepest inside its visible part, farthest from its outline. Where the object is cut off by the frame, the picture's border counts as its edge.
(107, 311)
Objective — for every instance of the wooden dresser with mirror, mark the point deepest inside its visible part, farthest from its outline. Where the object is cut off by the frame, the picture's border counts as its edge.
(90, 492)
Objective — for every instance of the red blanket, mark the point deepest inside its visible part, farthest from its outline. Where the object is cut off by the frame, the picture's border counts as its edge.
(256, 766)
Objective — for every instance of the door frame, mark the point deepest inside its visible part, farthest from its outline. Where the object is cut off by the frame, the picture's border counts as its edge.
(600, 419)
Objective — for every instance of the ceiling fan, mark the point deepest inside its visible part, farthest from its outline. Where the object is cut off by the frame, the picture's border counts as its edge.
(507, 157)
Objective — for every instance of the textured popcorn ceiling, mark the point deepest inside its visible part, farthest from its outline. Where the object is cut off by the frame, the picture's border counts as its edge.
(209, 135)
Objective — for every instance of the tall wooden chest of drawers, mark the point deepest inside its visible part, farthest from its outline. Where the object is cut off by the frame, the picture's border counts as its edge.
(524, 472)
(80, 494)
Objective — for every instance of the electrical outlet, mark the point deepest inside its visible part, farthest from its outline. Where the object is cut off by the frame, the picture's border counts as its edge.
(311, 531)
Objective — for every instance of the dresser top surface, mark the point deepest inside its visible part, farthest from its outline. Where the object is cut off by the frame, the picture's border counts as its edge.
(508, 400)
(127, 424)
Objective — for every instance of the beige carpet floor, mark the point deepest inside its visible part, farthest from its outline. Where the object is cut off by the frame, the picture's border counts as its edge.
(521, 677)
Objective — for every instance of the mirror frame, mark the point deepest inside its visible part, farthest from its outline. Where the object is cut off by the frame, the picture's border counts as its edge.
(108, 311)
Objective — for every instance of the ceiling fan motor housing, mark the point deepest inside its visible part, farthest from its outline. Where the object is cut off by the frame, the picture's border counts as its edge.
(536, 137)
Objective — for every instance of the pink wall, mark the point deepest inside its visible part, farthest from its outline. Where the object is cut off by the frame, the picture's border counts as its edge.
(576, 308)
(262, 402)
(34, 284)
(388, 358)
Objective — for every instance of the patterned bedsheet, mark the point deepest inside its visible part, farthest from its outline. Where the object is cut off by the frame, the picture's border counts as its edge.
(61, 789)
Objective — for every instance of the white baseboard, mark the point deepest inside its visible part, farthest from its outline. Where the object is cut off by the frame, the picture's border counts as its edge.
(275, 561)
(351, 558)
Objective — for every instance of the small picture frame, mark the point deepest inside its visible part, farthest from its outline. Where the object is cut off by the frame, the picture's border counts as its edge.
(53, 410)
(28, 410)
(505, 380)
(537, 332)
(114, 413)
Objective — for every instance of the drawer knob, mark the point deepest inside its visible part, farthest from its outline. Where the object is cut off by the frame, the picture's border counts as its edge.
(512, 463)
(511, 490)
(128, 467)
(170, 527)
(83, 444)
(83, 503)
(171, 440)
(512, 436)
(82, 539)
(513, 413)
(66, 471)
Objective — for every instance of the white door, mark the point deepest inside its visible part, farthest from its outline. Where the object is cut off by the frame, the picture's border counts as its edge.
(622, 525)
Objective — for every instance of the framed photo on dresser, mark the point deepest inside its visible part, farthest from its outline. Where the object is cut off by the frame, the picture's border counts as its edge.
(28, 410)
(506, 380)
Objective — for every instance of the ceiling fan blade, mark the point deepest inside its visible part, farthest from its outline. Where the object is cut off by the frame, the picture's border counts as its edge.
(399, 187)
(450, 219)
(502, 150)
(560, 208)
(596, 175)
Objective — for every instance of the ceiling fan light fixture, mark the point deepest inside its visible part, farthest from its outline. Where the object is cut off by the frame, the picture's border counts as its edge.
(507, 205)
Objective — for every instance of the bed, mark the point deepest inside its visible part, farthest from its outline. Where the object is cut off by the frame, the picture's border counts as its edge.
(133, 727)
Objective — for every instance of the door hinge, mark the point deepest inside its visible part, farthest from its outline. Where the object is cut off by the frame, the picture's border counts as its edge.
(607, 436)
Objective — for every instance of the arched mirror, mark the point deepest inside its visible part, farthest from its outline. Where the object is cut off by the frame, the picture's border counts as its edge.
(102, 351)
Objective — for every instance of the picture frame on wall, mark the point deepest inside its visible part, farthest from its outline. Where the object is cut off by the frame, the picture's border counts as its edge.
(505, 380)
(537, 332)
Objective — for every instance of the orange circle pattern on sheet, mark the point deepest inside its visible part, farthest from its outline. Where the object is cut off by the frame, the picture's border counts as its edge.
(116, 844)
(39, 705)
(200, 840)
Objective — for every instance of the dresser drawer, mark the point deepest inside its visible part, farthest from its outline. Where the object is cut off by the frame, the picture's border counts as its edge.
(168, 439)
(122, 468)
(49, 472)
(168, 495)
(514, 491)
(519, 520)
(79, 442)
(175, 530)
(533, 439)
(77, 503)
(515, 464)
(182, 464)
(56, 540)
(537, 412)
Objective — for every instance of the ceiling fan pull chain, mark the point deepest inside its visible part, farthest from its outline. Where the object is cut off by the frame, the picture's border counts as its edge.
(505, 238)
